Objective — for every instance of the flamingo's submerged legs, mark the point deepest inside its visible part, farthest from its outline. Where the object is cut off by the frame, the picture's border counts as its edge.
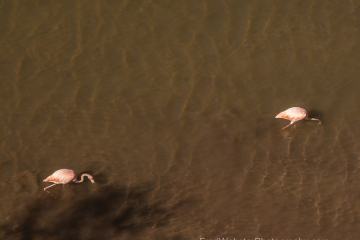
(50, 186)
(287, 126)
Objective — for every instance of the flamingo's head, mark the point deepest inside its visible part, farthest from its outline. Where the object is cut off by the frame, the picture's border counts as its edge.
(91, 178)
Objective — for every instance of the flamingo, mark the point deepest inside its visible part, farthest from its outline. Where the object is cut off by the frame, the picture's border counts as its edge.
(295, 114)
(64, 176)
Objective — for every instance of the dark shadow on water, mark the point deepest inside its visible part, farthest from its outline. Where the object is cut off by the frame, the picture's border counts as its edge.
(111, 211)
(312, 113)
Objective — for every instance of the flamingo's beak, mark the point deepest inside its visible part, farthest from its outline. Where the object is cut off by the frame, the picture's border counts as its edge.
(91, 178)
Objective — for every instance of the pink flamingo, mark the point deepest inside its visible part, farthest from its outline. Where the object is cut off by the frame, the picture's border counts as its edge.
(64, 176)
(295, 114)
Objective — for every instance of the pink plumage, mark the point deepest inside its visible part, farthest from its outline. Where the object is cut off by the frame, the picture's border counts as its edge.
(295, 114)
(64, 176)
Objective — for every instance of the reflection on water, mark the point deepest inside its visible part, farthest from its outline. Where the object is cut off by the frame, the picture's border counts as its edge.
(171, 107)
(119, 211)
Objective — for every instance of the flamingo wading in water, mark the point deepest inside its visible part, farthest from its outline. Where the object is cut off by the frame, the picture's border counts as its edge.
(295, 114)
(64, 176)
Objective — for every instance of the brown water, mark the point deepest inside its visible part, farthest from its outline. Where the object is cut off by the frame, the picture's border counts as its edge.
(170, 105)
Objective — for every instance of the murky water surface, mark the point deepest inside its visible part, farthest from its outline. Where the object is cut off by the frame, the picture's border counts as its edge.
(171, 106)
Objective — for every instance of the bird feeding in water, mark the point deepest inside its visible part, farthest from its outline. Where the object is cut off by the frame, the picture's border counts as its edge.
(64, 176)
(295, 114)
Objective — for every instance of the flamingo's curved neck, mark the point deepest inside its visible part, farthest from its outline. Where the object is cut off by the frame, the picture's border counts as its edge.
(82, 178)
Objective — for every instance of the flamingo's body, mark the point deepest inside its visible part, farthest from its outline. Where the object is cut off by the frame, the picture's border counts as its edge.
(64, 176)
(295, 114)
